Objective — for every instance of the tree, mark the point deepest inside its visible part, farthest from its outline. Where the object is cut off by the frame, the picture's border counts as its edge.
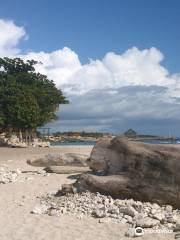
(27, 99)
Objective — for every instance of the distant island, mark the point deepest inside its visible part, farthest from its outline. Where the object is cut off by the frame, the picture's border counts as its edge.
(71, 136)
(131, 134)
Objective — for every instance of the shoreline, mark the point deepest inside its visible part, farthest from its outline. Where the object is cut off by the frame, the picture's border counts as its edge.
(23, 154)
(19, 198)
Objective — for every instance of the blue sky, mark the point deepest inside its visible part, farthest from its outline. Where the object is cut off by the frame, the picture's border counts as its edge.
(118, 62)
(93, 27)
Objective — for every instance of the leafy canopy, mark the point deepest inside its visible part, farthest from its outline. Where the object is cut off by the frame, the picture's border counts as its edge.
(27, 99)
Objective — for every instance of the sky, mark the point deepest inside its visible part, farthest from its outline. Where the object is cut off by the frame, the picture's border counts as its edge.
(118, 61)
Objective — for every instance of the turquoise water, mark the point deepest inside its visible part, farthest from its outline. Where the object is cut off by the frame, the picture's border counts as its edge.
(177, 141)
(75, 143)
(92, 143)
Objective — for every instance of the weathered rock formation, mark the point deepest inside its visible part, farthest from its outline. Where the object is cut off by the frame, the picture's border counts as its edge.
(66, 169)
(67, 159)
(136, 170)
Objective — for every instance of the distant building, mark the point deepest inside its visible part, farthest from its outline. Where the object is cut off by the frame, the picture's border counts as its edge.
(130, 133)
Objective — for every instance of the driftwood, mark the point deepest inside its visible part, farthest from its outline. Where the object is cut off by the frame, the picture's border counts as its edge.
(136, 170)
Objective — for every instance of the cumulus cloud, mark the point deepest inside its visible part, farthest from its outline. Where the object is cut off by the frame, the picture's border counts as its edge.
(134, 67)
(10, 36)
(58, 65)
(131, 89)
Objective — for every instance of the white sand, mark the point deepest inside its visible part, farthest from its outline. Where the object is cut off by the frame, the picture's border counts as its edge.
(18, 199)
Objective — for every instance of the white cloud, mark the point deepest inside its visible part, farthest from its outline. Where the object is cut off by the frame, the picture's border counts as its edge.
(134, 67)
(59, 65)
(132, 89)
(10, 36)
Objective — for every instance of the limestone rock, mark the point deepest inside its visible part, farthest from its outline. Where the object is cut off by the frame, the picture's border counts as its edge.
(67, 159)
(66, 169)
(159, 216)
(144, 172)
(146, 222)
(128, 210)
(40, 209)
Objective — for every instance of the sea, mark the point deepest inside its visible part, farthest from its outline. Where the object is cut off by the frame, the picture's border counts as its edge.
(92, 143)
(174, 141)
(74, 143)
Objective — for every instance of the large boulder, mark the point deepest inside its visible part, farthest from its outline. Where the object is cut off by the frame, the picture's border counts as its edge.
(66, 169)
(136, 170)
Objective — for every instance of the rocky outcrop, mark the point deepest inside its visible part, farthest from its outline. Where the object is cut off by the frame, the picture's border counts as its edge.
(66, 169)
(15, 142)
(8, 175)
(136, 170)
(67, 159)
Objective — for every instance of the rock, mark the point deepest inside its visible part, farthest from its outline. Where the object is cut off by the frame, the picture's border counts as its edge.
(159, 216)
(66, 169)
(113, 210)
(123, 220)
(17, 144)
(99, 214)
(67, 159)
(102, 184)
(67, 188)
(105, 208)
(168, 208)
(144, 172)
(104, 220)
(170, 217)
(177, 226)
(40, 209)
(9, 176)
(38, 143)
(128, 218)
(53, 212)
(146, 222)
(128, 210)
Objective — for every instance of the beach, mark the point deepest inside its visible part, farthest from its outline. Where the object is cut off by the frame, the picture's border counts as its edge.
(19, 198)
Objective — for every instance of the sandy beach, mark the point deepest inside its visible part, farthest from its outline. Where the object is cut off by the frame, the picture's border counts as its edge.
(19, 198)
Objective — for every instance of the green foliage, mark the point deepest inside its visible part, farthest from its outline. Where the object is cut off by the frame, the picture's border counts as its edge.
(82, 134)
(27, 99)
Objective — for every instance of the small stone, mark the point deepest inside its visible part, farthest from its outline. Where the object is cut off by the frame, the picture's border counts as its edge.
(53, 212)
(177, 226)
(170, 218)
(147, 222)
(99, 214)
(159, 216)
(118, 202)
(129, 210)
(168, 208)
(155, 206)
(40, 209)
(104, 220)
(128, 218)
(113, 210)
(123, 220)
(67, 188)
